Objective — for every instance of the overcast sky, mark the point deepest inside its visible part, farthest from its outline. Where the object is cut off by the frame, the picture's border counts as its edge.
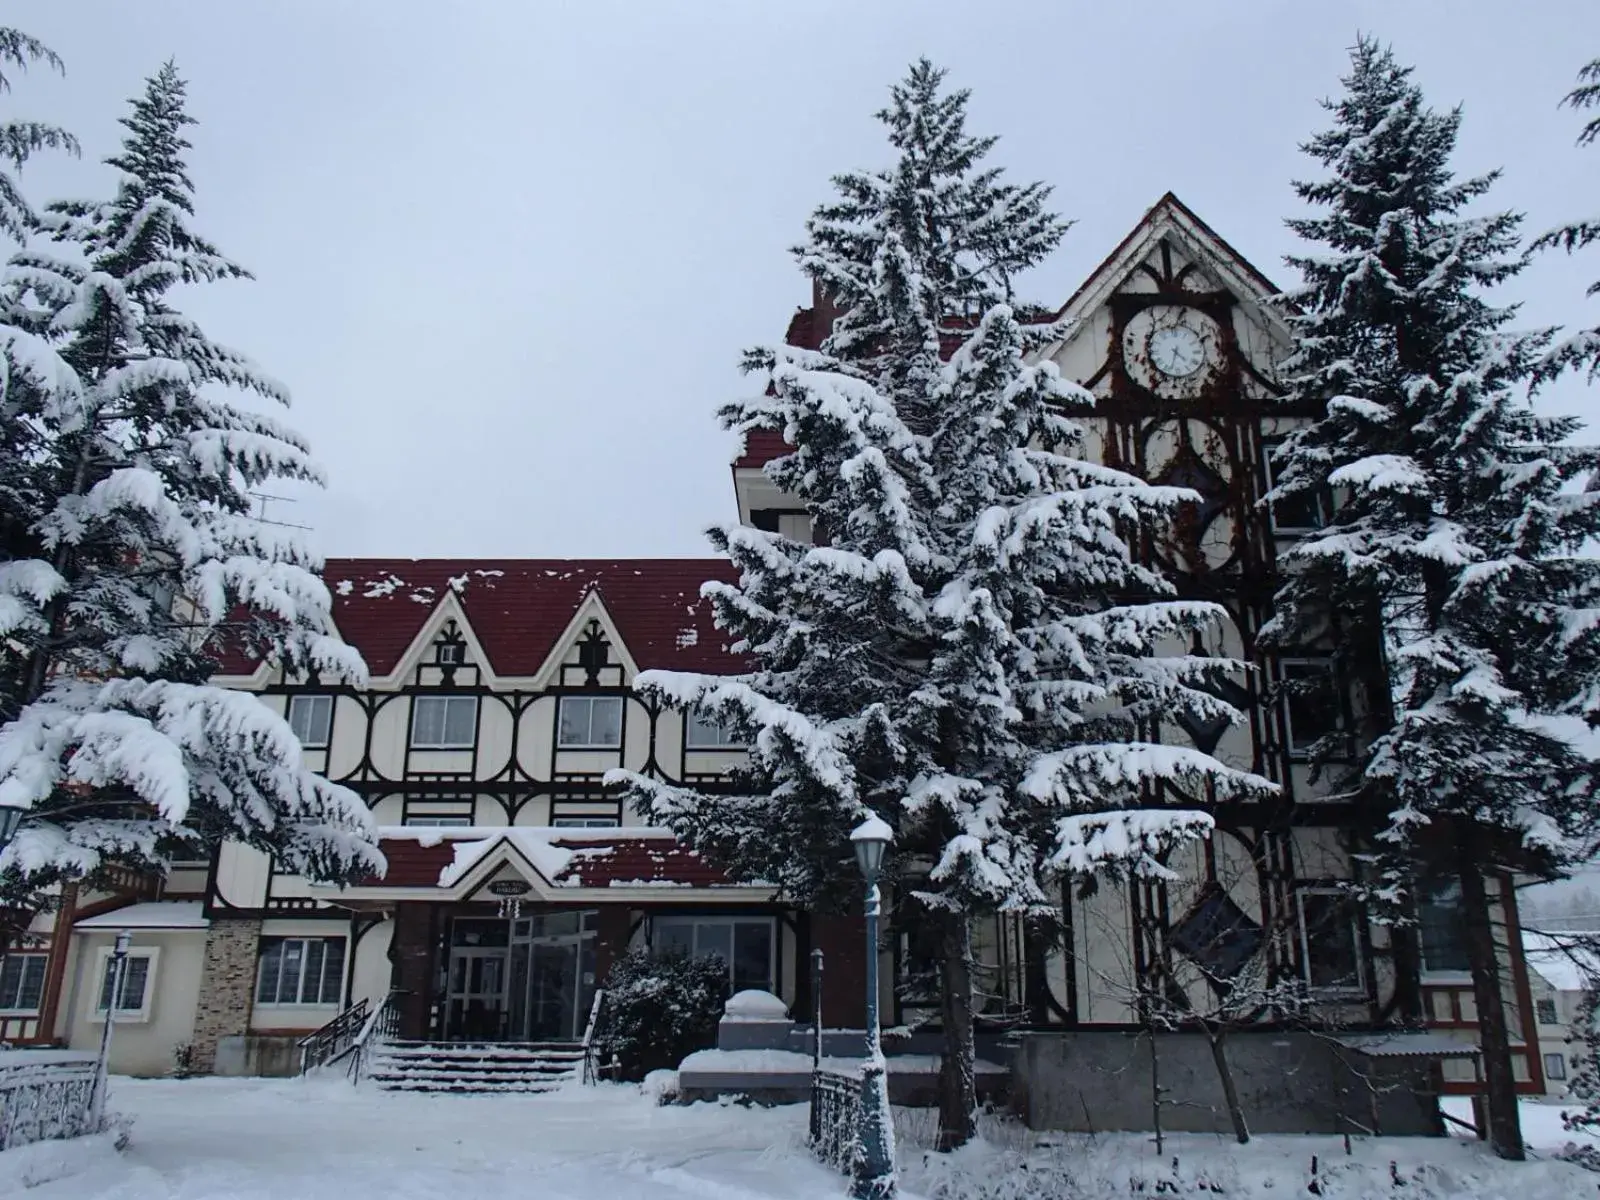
(507, 253)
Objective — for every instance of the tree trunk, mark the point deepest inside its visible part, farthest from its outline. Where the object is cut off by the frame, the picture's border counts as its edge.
(1216, 1036)
(1494, 1037)
(958, 1089)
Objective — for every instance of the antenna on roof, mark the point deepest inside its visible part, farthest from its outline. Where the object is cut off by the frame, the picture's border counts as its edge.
(262, 499)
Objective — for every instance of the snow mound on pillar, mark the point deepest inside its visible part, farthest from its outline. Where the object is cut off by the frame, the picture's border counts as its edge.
(752, 1004)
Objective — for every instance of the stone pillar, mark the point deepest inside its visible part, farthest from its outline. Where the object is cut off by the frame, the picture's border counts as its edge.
(227, 986)
(843, 942)
(414, 952)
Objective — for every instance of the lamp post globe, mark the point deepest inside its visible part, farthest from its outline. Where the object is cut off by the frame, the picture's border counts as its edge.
(10, 822)
(874, 1177)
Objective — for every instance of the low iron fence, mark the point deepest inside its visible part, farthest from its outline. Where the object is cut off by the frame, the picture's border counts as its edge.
(45, 1094)
(835, 1117)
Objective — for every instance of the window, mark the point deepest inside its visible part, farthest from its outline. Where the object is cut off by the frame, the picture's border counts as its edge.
(21, 982)
(746, 944)
(444, 722)
(590, 722)
(133, 999)
(1304, 512)
(1312, 699)
(1330, 941)
(705, 734)
(436, 822)
(584, 822)
(300, 971)
(1555, 1066)
(1544, 1010)
(451, 654)
(311, 718)
(1443, 930)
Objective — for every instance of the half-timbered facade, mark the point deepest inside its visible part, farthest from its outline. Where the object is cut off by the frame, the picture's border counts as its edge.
(501, 692)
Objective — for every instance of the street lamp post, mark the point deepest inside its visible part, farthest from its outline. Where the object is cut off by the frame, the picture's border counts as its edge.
(114, 971)
(874, 1177)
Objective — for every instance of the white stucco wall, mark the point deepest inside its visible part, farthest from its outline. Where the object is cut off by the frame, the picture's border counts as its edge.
(138, 1046)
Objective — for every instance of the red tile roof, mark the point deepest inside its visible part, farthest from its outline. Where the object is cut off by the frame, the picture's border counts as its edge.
(517, 608)
(620, 862)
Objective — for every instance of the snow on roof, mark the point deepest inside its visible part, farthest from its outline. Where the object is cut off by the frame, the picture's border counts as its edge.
(518, 608)
(545, 858)
(1560, 960)
(154, 914)
(1430, 1043)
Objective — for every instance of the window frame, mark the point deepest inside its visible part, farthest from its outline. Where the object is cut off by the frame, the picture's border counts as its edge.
(417, 703)
(1559, 1075)
(585, 823)
(1355, 990)
(140, 1015)
(450, 654)
(311, 699)
(1428, 974)
(1324, 664)
(435, 821)
(1546, 1004)
(690, 721)
(322, 978)
(1324, 508)
(25, 956)
(695, 920)
(590, 699)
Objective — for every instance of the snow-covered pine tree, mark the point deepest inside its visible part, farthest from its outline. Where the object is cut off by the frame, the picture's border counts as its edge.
(972, 651)
(1453, 555)
(133, 554)
(1581, 350)
(21, 140)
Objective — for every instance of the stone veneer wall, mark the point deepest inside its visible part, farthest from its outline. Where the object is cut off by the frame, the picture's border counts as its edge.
(227, 986)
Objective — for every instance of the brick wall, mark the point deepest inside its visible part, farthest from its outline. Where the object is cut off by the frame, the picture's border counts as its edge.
(227, 985)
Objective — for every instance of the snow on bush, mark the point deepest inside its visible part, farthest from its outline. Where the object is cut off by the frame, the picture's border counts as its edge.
(659, 1010)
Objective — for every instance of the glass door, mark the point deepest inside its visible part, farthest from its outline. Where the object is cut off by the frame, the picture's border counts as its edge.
(551, 976)
(476, 992)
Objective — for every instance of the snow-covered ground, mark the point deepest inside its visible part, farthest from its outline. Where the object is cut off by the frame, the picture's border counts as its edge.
(214, 1139)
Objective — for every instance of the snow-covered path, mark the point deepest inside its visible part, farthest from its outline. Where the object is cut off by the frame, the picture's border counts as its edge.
(209, 1139)
(252, 1139)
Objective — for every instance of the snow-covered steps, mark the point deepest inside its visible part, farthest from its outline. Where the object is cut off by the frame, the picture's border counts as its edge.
(475, 1066)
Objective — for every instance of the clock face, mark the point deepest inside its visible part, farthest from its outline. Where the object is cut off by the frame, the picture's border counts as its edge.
(1172, 350)
(1176, 350)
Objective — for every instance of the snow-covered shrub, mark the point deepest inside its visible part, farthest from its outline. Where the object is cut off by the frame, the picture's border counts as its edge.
(659, 1010)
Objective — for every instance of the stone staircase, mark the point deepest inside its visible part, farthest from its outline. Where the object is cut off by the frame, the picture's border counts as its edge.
(475, 1067)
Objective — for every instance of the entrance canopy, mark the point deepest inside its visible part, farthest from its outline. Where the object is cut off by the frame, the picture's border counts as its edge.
(558, 865)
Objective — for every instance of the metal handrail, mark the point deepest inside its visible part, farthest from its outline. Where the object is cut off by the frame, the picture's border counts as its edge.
(332, 1041)
(591, 1069)
(382, 1025)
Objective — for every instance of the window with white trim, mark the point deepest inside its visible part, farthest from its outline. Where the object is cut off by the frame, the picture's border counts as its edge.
(444, 722)
(435, 822)
(584, 823)
(747, 944)
(451, 654)
(296, 970)
(1304, 512)
(1544, 1010)
(1555, 1067)
(705, 734)
(138, 984)
(590, 723)
(1330, 942)
(22, 982)
(311, 719)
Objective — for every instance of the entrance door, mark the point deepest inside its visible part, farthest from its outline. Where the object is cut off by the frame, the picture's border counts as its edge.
(476, 991)
(477, 994)
(552, 976)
